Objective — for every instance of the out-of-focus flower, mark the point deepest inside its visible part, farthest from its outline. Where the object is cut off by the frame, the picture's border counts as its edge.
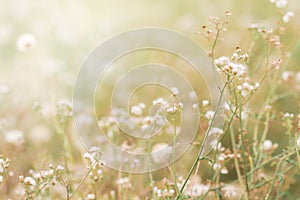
(247, 88)
(160, 101)
(286, 75)
(224, 170)
(136, 110)
(29, 181)
(216, 166)
(175, 90)
(91, 196)
(281, 3)
(232, 191)
(161, 152)
(268, 145)
(26, 41)
(199, 189)
(193, 95)
(205, 102)
(15, 137)
(64, 110)
(209, 115)
(124, 182)
(287, 17)
(4, 89)
(216, 131)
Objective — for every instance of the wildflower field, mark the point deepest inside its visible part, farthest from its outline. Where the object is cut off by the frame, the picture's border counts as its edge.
(150, 100)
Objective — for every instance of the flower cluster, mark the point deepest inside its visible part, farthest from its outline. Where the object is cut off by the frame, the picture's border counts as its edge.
(247, 88)
(41, 179)
(94, 165)
(219, 166)
(4, 163)
(216, 26)
(232, 191)
(124, 182)
(14, 137)
(163, 193)
(233, 66)
(64, 110)
(279, 3)
(161, 152)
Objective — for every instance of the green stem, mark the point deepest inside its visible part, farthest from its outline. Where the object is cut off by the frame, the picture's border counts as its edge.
(243, 152)
(235, 159)
(174, 155)
(199, 156)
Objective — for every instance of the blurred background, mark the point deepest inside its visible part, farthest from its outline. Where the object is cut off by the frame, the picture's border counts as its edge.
(43, 44)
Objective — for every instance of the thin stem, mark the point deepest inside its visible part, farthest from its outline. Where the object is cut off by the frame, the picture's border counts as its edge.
(273, 181)
(235, 159)
(243, 152)
(199, 156)
(81, 182)
(174, 154)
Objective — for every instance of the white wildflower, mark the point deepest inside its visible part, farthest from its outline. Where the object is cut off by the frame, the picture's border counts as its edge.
(288, 115)
(216, 166)
(267, 145)
(239, 69)
(221, 157)
(209, 115)
(142, 105)
(205, 102)
(199, 189)
(287, 17)
(161, 152)
(281, 3)
(148, 120)
(298, 142)
(171, 110)
(64, 108)
(160, 101)
(91, 196)
(136, 110)
(224, 170)
(231, 191)
(26, 41)
(195, 106)
(224, 60)
(175, 90)
(124, 182)
(216, 131)
(228, 106)
(15, 137)
(29, 181)
(60, 168)
(180, 105)
(193, 95)
(112, 193)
